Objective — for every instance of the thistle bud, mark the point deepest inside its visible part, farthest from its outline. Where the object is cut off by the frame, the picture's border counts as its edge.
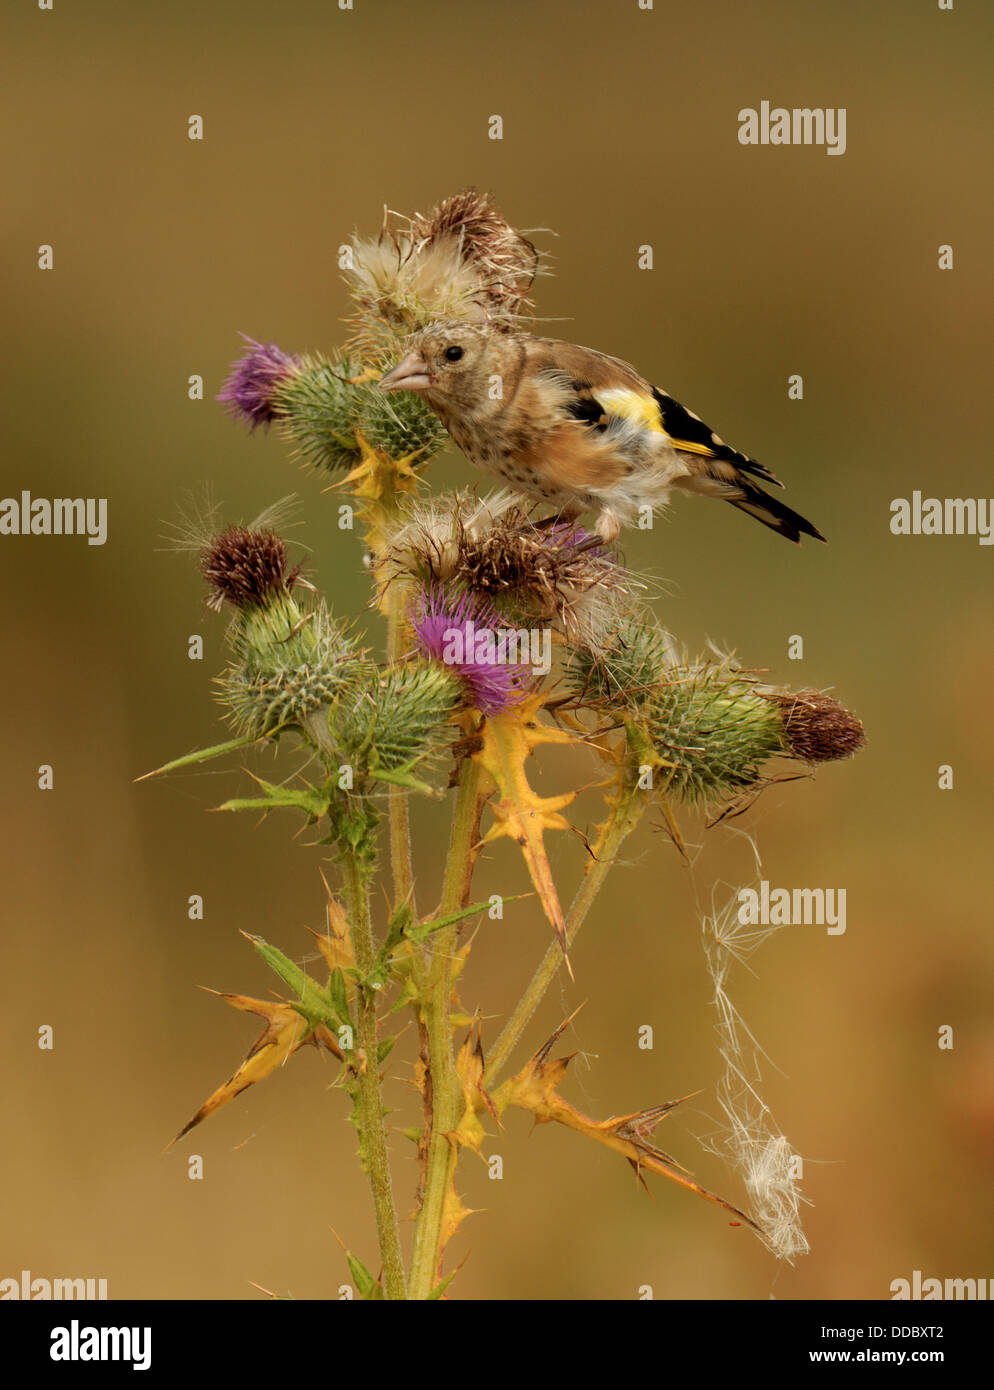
(401, 425)
(817, 728)
(394, 723)
(287, 664)
(623, 671)
(712, 730)
(252, 385)
(319, 409)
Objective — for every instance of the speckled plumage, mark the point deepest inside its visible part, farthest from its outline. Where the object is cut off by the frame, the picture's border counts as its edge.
(577, 429)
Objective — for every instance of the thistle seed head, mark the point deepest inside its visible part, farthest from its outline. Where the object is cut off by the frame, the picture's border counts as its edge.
(536, 575)
(817, 728)
(462, 261)
(245, 567)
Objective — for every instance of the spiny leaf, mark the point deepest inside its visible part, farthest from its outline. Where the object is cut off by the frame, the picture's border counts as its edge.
(312, 801)
(470, 1067)
(315, 1003)
(338, 994)
(507, 740)
(402, 777)
(369, 1287)
(454, 1213)
(424, 929)
(285, 1032)
(535, 1088)
(442, 1285)
(336, 944)
(203, 755)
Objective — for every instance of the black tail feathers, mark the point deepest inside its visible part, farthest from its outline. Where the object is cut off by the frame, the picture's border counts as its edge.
(773, 513)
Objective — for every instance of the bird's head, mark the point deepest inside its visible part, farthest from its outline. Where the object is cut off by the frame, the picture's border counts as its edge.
(448, 364)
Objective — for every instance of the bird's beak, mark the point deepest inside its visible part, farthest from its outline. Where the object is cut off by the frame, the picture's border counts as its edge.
(410, 374)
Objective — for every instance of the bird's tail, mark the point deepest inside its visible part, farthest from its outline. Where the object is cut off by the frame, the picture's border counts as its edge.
(721, 478)
(773, 513)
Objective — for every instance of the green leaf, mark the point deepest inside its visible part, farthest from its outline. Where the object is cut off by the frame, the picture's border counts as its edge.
(440, 1288)
(203, 755)
(383, 1048)
(401, 777)
(424, 929)
(316, 1004)
(339, 995)
(310, 800)
(369, 1288)
(408, 994)
(397, 928)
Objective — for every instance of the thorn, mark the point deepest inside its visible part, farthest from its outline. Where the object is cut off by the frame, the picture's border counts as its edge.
(543, 1052)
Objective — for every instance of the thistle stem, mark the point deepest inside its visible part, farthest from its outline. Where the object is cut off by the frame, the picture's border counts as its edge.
(369, 1097)
(446, 1093)
(398, 804)
(624, 816)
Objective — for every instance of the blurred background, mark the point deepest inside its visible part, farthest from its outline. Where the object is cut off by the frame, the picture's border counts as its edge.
(620, 129)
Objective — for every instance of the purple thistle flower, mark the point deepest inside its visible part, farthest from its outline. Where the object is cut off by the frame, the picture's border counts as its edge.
(466, 636)
(570, 535)
(253, 380)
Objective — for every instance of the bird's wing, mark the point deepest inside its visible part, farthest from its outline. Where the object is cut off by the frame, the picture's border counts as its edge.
(599, 388)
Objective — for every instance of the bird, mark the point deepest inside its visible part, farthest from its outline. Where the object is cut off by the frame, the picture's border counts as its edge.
(577, 429)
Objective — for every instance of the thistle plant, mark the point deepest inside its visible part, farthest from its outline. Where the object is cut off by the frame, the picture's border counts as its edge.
(504, 633)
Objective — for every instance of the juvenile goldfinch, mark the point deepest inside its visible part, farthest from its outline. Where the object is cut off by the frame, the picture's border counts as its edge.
(576, 428)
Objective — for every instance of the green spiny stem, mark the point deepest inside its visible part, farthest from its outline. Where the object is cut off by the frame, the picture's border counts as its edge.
(369, 1092)
(399, 810)
(623, 818)
(446, 1092)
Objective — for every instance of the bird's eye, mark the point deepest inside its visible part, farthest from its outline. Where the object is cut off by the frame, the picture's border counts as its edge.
(453, 354)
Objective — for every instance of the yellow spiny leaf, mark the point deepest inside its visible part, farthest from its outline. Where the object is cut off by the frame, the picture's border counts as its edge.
(454, 1213)
(470, 1067)
(535, 1089)
(507, 740)
(285, 1032)
(336, 944)
(379, 480)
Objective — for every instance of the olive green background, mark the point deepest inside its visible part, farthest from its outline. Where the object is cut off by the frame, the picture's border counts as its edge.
(619, 129)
